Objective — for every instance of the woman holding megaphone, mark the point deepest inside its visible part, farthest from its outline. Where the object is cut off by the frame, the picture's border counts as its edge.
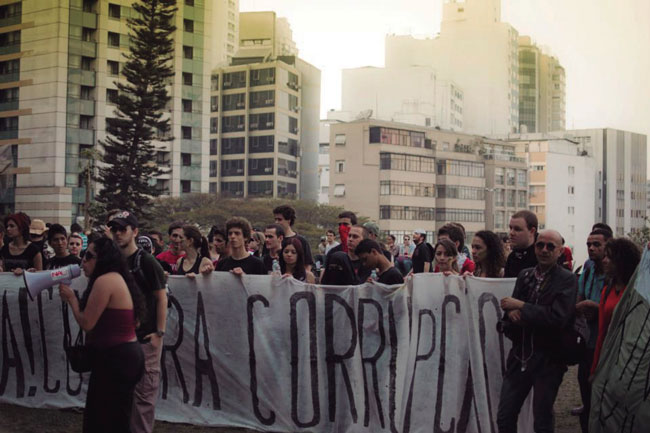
(109, 311)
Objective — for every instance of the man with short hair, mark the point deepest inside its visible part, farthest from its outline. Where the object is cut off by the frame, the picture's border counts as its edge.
(539, 311)
(273, 237)
(285, 216)
(590, 286)
(523, 231)
(240, 261)
(57, 238)
(372, 257)
(422, 254)
(175, 251)
(158, 241)
(331, 241)
(373, 234)
(347, 219)
(455, 233)
(150, 278)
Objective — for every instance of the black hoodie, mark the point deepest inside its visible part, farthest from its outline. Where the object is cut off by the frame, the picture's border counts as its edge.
(518, 260)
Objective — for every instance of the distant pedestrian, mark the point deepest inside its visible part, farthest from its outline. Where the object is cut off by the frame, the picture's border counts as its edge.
(331, 241)
(423, 254)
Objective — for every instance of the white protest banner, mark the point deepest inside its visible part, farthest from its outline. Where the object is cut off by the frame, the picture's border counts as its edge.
(279, 355)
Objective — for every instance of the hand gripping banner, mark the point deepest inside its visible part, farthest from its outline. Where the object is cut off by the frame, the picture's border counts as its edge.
(275, 354)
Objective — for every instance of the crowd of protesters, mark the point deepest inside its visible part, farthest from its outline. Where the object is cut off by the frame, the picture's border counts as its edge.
(127, 273)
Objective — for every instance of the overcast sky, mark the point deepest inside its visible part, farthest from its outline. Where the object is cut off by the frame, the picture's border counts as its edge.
(604, 46)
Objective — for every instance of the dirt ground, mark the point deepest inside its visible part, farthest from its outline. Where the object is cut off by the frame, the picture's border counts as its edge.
(15, 419)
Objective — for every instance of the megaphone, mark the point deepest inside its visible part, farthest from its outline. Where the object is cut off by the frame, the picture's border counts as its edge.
(36, 282)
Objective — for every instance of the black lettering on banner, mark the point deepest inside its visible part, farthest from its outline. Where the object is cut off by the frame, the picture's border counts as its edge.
(204, 366)
(333, 358)
(172, 348)
(67, 338)
(449, 299)
(489, 298)
(372, 360)
(7, 362)
(23, 307)
(418, 358)
(469, 401)
(313, 358)
(251, 359)
(46, 386)
(392, 367)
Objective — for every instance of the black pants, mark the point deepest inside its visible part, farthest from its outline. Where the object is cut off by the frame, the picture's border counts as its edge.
(584, 369)
(544, 376)
(109, 401)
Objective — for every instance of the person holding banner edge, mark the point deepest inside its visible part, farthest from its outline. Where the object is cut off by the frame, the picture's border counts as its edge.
(536, 315)
(109, 310)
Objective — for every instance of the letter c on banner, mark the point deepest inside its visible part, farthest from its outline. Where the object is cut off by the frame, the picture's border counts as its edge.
(251, 359)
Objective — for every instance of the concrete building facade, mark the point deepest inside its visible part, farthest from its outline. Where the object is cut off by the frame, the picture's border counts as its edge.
(58, 65)
(225, 29)
(406, 177)
(479, 52)
(410, 94)
(542, 90)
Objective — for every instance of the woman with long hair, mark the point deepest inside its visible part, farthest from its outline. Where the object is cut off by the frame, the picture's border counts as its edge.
(446, 257)
(109, 312)
(622, 256)
(292, 261)
(488, 255)
(197, 254)
(19, 254)
(256, 244)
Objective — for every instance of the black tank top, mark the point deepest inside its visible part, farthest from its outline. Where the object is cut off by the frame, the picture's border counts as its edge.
(194, 269)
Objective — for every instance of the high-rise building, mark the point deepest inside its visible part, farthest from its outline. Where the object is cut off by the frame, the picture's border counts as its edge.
(264, 127)
(225, 25)
(409, 94)
(59, 62)
(406, 176)
(542, 93)
(477, 51)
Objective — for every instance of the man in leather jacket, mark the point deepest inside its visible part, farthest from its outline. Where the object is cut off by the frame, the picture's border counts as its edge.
(539, 311)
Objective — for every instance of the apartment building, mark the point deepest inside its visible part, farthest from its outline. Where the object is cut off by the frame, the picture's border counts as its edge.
(58, 65)
(406, 177)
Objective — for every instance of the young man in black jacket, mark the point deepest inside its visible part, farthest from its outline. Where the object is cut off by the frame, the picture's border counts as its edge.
(523, 230)
(539, 311)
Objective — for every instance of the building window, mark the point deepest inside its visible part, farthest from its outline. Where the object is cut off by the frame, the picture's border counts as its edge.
(235, 189)
(232, 124)
(214, 82)
(113, 39)
(521, 177)
(461, 192)
(114, 11)
(510, 176)
(262, 77)
(188, 26)
(460, 168)
(261, 144)
(261, 121)
(88, 34)
(339, 166)
(264, 187)
(402, 162)
(399, 137)
(411, 213)
(339, 190)
(260, 166)
(187, 78)
(571, 190)
(234, 80)
(262, 99)
(235, 101)
(10, 38)
(460, 215)
(186, 159)
(86, 122)
(571, 210)
(214, 104)
(572, 170)
(188, 52)
(111, 96)
(186, 132)
(523, 203)
(413, 189)
(214, 125)
(339, 139)
(214, 146)
(213, 168)
(190, 3)
(113, 67)
(232, 167)
(231, 146)
(187, 105)
(499, 176)
(186, 186)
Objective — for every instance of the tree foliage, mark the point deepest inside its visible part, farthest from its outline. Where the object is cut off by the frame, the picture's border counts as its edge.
(129, 155)
(206, 210)
(641, 236)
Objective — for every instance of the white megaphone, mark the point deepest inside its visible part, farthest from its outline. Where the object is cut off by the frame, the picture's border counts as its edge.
(36, 282)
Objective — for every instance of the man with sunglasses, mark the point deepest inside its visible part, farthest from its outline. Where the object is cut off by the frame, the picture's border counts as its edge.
(150, 277)
(590, 286)
(536, 316)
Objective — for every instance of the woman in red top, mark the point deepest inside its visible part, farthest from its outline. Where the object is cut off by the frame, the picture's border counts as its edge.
(109, 310)
(622, 256)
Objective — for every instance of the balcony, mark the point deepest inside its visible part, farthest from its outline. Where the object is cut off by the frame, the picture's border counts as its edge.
(504, 157)
(80, 136)
(82, 48)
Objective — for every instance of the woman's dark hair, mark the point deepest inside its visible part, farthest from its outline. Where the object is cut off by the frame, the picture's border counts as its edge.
(299, 272)
(110, 259)
(495, 258)
(450, 250)
(22, 220)
(198, 241)
(625, 255)
(339, 271)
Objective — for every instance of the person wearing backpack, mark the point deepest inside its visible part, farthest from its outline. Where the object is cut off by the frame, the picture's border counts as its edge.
(150, 278)
(537, 316)
(590, 286)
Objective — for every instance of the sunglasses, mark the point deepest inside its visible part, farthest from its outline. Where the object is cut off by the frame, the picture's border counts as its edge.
(549, 246)
(89, 256)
